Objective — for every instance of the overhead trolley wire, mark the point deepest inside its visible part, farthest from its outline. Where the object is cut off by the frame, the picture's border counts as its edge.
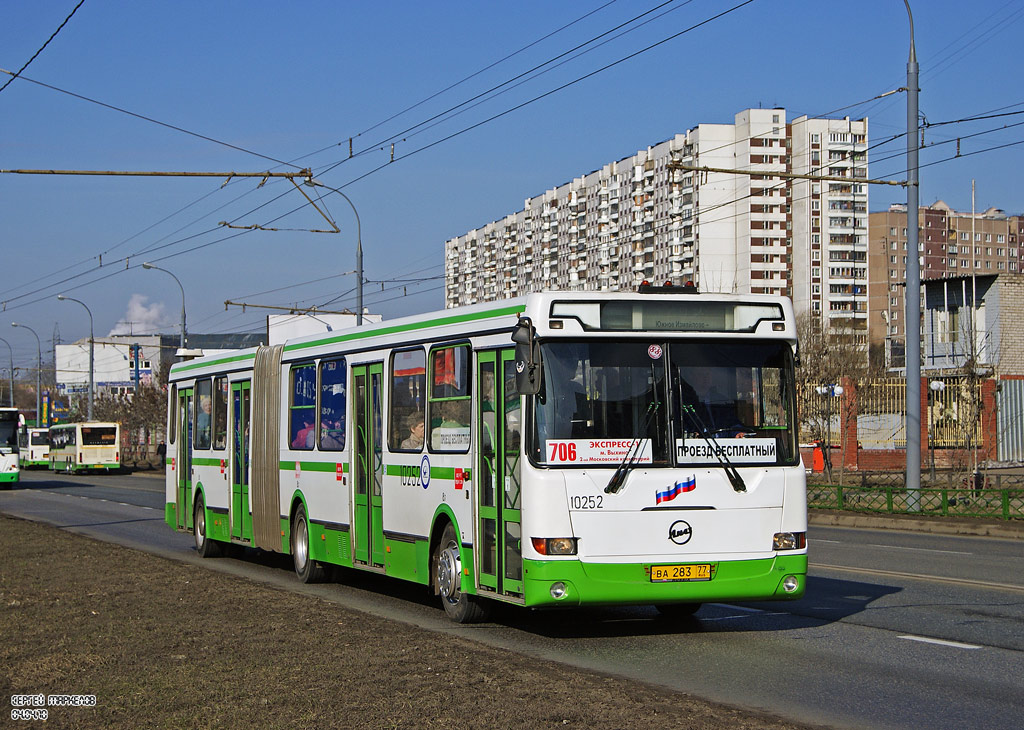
(17, 74)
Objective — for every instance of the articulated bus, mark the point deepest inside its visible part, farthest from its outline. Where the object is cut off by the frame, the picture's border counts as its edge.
(10, 470)
(563, 449)
(89, 446)
(34, 447)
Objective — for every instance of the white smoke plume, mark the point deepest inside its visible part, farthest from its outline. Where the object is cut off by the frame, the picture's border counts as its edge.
(142, 319)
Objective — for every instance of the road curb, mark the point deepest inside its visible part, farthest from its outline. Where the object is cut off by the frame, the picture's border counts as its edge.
(1011, 530)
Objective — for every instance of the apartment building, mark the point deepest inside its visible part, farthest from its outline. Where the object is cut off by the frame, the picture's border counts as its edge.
(675, 212)
(950, 244)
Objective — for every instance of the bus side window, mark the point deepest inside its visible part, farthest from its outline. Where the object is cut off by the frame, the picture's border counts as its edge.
(450, 406)
(204, 413)
(172, 428)
(302, 407)
(220, 412)
(332, 405)
(408, 400)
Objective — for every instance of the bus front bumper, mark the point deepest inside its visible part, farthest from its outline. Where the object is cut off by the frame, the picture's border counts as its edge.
(551, 583)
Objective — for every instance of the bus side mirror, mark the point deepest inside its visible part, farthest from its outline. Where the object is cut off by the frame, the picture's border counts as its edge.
(527, 358)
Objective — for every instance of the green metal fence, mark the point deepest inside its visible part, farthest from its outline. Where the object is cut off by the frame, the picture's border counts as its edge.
(1006, 503)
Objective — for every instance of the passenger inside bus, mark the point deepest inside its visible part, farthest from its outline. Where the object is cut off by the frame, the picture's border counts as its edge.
(414, 426)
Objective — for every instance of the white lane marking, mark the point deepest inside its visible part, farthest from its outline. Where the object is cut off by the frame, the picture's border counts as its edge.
(832, 542)
(940, 642)
(919, 576)
(922, 550)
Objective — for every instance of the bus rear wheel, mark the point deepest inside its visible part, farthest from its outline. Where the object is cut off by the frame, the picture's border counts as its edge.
(206, 547)
(460, 607)
(308, 570)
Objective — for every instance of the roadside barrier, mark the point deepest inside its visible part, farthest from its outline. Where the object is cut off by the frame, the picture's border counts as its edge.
(984, 499)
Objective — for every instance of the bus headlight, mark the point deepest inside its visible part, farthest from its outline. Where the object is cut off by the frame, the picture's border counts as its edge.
(555, 545)
(789, 541)
(558, 590)
(790, 583)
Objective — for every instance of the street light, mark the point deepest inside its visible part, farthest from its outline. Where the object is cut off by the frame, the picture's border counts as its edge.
(359, 247)
(12, 368)
(937, 386)
(147, 265)
(39, 371)
(912, 303)
(92, 359)
(829, 391)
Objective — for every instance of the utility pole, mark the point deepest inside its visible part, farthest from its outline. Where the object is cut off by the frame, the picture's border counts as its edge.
(912, 303)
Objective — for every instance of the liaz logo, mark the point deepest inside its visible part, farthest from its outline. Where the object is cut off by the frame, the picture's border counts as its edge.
(680, 532)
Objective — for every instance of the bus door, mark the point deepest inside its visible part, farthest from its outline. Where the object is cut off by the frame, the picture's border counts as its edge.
(497, 480)
(183, 460)
(241, 515)
(367, 415)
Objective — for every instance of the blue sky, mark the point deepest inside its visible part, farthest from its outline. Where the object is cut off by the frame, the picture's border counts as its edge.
(284, 80)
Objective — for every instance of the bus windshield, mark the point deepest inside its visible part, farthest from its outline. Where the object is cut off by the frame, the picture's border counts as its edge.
(99, 436)
(606, 402)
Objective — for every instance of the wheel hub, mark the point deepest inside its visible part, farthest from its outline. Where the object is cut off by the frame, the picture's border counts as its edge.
(449, 573)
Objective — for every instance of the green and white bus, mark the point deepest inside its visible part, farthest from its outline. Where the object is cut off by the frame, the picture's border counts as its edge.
(87, 446)
(10, 469)
(34, 447)
(545, 451)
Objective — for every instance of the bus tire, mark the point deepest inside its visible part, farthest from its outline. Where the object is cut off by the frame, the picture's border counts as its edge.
(308, 570)
(206, 547)
(460, 607)
(678, 610)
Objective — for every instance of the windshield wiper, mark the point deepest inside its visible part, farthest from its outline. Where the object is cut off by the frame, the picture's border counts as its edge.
(628, 462)
(730, 471)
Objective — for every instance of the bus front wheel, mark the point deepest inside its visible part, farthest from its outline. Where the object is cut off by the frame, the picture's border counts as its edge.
(461, 608)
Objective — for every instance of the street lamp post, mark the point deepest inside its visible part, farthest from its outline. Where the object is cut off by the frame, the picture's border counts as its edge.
(829, 391)
(12, 368)
(147, 265)
(39, 371)
(359, 247)
(912, 302)
(92, 350)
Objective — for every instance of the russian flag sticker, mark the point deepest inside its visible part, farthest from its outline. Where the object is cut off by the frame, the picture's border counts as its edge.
(684, 485)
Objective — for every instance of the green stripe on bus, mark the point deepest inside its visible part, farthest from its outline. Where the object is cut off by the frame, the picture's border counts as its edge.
(361, 334)
(326, 466)
(203, 461)
(221, 361)
(436, 472)
(411, 327)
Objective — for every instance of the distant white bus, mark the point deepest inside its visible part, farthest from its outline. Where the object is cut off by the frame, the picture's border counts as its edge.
(89, 446)
(9, 468)
(34, 447)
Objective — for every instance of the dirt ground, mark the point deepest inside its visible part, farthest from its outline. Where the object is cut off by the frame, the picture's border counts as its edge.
(166, 644)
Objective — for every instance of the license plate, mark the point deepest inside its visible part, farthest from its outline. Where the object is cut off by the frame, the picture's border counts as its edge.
(667, 573)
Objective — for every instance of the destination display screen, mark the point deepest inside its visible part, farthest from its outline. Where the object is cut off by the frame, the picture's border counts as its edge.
(658, 315)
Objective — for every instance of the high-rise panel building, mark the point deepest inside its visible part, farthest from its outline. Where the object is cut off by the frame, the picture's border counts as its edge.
(676, 211)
